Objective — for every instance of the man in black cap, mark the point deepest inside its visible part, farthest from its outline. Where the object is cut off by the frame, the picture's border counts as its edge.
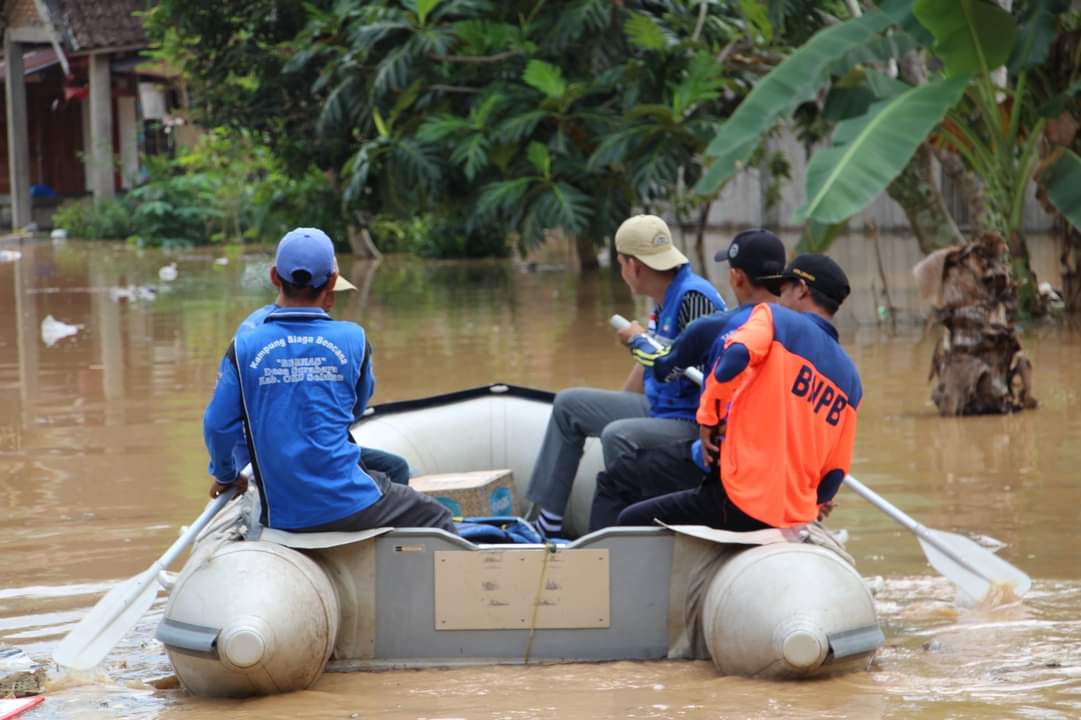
(785, 396)
(755, 263)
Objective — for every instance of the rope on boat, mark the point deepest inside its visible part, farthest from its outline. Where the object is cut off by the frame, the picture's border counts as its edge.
(549, 549)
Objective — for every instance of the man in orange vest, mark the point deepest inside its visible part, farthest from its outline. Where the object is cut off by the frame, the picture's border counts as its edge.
(785, 395)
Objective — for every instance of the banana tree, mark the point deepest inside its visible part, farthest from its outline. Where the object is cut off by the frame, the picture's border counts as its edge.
(995, 129)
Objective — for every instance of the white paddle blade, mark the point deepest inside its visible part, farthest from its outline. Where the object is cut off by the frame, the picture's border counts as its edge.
(115, 614)
(986, 572)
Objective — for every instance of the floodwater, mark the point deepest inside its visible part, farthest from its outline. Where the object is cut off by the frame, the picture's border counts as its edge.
(101, 461)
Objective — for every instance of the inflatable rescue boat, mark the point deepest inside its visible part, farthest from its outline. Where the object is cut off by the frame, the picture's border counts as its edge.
(260, 611)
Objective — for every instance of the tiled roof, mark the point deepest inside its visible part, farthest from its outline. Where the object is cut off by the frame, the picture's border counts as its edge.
(98, 24)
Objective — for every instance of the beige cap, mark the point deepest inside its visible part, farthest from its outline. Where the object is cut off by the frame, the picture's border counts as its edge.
(648, 238)
(342, 283)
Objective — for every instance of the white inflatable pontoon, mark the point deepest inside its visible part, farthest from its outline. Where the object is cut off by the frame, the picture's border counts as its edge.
(259, 611)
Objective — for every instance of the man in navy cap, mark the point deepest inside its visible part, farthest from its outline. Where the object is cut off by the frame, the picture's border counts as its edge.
(755, 261)
(291, 388)
(395, 467)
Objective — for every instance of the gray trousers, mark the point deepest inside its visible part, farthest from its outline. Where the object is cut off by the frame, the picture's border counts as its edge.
(620, 419)
(400, 506)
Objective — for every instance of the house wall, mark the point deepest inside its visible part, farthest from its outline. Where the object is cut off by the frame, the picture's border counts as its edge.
(56, 136)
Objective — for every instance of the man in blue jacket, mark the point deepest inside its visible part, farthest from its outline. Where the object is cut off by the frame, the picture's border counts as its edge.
(296, 383)
(393, 466)
(755, 259)
(647, 412)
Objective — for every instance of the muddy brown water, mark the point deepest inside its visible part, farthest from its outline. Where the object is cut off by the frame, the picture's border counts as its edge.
(101, 461)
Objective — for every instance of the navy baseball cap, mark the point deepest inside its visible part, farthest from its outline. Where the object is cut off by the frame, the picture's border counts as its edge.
(821, 273)
(309, 250)
(757, 252)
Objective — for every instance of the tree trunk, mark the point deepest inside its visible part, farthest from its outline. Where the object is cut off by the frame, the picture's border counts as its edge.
(587, 254)
(1070, 260)
(978, 366)
(916, 191)
(700, 234)
(360, 243)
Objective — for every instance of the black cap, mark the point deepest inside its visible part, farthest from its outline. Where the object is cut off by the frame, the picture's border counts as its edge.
(757, 252)
(820, 273)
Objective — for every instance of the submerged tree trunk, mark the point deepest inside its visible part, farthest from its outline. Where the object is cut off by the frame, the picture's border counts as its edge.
(978, 366)
(1070, 260)
(587, 254)
(360, 242)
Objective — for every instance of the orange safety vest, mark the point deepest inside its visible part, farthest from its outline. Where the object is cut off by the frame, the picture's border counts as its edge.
(791, 414)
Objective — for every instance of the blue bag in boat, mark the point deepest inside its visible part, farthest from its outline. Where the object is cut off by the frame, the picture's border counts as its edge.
(498, 529)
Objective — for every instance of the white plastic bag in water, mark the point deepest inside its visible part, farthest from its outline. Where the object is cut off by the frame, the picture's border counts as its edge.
(53, 330)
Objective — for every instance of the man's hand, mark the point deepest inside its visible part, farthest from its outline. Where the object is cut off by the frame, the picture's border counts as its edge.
(241, 485)
(825, 509)
(627, 333)
(711, 444)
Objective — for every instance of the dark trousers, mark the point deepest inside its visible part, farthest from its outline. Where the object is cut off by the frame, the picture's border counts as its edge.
(400, 506)
(393, 466)
(705, 505)
(639, 475)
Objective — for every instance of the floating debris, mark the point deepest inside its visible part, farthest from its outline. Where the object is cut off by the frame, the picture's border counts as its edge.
(18, 676)
(221, 261)
(59, 234)
(53, 330)
(132, 293)
(989, 542)
(167, 273)
(7, 256)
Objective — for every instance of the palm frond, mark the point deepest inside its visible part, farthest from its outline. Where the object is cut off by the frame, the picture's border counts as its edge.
(503, 196)
(416, 164)
(563, 205)
(442, 126)
(472, 154)
(392, 74)
(517, 127)
(545, 77)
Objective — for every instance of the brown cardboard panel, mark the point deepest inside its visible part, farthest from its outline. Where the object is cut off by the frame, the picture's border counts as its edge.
(519, 589)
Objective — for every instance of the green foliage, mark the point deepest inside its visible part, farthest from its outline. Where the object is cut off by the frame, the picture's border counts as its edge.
(441, 235)
(546, 78)
(230, 53)
(881, 121)
(108, 220)
(226, 189)
(870, 150)
(519, 115)
(794, 81)
(1038, 21)
(1063, 183)
(971, 36)
(818, 237)
(642, 32)
(757, 15)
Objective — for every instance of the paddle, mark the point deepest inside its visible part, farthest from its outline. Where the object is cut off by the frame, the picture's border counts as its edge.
(972, 568)
(115, 614)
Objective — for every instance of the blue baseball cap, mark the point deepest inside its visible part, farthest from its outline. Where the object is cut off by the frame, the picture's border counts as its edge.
(306, 250)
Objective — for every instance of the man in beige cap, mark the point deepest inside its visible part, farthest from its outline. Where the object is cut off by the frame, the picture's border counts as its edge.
(646, 413)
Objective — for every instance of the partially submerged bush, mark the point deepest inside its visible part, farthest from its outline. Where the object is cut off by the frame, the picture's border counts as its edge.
(226, 189)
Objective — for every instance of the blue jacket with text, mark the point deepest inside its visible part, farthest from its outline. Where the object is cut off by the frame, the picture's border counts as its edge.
(298, 381)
